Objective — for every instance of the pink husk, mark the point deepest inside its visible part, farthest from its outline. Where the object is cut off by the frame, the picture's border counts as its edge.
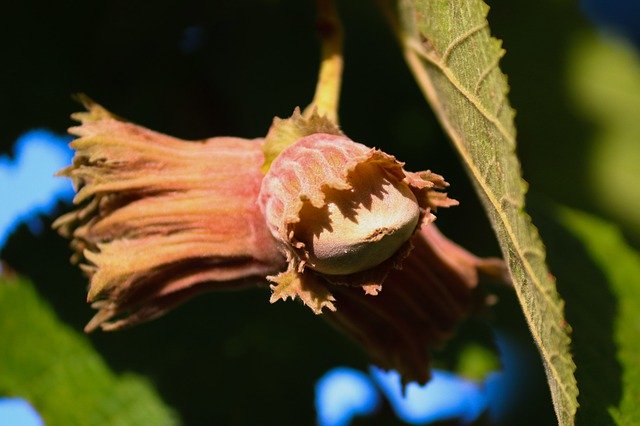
(163, 219)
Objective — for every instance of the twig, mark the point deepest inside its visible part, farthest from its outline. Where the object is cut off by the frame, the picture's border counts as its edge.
(327, 96)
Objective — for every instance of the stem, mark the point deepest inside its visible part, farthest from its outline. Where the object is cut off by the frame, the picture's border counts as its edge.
(327, 96)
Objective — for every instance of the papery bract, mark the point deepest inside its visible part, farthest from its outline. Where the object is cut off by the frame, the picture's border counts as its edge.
(162, 219)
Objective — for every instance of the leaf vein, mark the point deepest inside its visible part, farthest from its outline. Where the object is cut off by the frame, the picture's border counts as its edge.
(493, 65)
(419, 49)
(460, 39)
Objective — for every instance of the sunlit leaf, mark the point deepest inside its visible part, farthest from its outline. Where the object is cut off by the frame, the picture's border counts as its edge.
(604, 81)
(60, 374)
(455, 61)
(605, 305)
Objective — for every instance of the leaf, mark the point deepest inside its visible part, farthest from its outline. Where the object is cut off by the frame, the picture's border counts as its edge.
(455, 61)
(618, 274)
(61, 375)
(604, 84)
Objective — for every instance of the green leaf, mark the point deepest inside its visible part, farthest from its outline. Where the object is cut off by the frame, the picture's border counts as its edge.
(476, 362)
(60, 374)
(604, 304)
(455, 60)
(604, 83)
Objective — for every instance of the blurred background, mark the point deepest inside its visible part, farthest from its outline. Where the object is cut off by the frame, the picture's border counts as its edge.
(196, 69)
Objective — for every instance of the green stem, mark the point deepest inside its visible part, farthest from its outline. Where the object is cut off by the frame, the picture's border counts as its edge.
(327, 96)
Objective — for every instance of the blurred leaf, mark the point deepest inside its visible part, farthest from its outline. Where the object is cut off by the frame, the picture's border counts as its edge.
(604, 80)
(455, 61)
(58, 371)
(476, 362)
(620, 266)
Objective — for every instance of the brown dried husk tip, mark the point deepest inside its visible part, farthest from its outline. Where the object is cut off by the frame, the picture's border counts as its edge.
(343, 213)
(162, 219)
